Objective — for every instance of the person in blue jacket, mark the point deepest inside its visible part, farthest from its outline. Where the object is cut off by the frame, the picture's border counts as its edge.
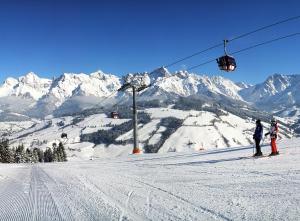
(257, 136)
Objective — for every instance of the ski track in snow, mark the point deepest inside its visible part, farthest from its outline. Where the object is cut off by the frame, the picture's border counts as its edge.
(224, 184)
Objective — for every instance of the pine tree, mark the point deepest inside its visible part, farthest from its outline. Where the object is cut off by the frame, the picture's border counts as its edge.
(62, 152)
(55, 155)
(48, 155)
(20, 154)
(28, 156)
(6, 154)
(40, 154)
(1, 152)
(35, 157)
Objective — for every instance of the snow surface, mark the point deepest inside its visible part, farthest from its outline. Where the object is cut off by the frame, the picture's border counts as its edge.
(14, 126)
(223, 184)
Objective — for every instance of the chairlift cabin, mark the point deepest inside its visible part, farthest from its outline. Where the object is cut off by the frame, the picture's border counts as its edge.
(114, 115)
(226, 62)
(64, 135)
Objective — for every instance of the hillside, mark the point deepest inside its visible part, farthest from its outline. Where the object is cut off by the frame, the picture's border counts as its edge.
(160, 130)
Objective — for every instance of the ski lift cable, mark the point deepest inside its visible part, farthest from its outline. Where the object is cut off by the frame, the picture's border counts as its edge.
(266, 42)
(122, 101)
(213, 60)
(248, 48)
(105, 98)
(193, 55)
(265, 27)
(236, 52)
(98, 105)
(215, 46)
(118, 103)
(233, 39)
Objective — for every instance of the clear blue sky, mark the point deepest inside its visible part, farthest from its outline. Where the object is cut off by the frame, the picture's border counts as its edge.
(52, 37)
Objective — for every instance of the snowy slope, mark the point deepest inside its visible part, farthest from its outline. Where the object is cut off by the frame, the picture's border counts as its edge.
(223, 184)
(198, 130)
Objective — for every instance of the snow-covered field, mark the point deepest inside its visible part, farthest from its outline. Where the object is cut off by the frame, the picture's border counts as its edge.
(220, 184)
(200, 130)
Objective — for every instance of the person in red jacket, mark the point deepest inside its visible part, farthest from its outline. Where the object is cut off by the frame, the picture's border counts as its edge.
(273, 134)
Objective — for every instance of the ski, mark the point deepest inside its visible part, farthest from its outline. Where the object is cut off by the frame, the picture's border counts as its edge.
(262, 156)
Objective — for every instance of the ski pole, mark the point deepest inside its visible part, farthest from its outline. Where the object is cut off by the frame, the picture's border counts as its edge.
(263, 140)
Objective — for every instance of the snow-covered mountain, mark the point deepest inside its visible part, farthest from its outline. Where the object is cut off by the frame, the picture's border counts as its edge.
(47, 95)
(184, 84)
(51, 95)
(28, 86)
(69, 93)
(278, 94)
(181, 111)
(277, 91)
(95, 84)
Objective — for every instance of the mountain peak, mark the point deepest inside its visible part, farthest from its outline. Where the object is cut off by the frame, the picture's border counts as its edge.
(10, 81)
(182, 74)
(102, 76)
(29, 77)
(159, 72)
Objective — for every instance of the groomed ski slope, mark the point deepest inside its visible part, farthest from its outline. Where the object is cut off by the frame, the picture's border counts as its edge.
(220, 184)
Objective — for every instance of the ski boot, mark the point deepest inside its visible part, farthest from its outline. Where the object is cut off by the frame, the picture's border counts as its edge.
(258, 154)
(274, 153)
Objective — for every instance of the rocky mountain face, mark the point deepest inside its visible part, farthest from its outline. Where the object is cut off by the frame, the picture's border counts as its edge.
(41, 97)
(277, 92)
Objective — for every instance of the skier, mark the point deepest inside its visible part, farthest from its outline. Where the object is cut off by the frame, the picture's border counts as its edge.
(273, 134)
(257, 136)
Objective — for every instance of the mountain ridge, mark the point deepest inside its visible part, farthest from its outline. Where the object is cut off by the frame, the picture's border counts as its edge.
(278, 92)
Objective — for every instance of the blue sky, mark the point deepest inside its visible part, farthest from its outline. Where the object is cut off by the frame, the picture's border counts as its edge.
(52, 37)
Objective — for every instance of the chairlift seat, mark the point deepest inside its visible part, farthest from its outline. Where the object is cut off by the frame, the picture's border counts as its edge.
(64, 135)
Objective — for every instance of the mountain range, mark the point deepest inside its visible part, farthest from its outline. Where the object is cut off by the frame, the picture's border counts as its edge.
(39, 97)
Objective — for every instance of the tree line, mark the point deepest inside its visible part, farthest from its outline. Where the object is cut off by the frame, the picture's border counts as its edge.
(21, 155)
